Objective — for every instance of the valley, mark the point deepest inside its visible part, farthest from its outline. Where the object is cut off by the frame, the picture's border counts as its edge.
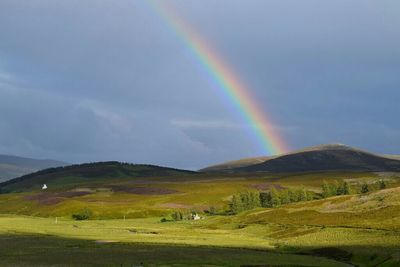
(126, 213)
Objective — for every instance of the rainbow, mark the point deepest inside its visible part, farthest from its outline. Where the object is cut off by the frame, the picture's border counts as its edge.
(227, 82)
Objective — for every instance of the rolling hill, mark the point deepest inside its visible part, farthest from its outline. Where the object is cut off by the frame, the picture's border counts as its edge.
(13, 166)
(88, 173)
(334, 157)
(231, 165)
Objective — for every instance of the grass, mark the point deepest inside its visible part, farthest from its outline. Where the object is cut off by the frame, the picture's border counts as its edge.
(35, 250)
(217, 231)
(356, 228)
(193, 192)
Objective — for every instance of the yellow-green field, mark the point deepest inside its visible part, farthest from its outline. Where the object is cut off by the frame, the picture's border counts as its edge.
(358, 229)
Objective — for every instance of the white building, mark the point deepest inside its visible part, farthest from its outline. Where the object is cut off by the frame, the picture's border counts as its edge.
(195, 217)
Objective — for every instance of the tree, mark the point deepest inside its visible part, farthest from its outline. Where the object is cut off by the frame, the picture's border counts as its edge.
(333, 188)
(284, 195)
(235, 205)
(364, 188)
(245, 200)
(254, 199)
(343, 188)
(177, 216)
(326, 191)
(303, 195)
(275, 197)
(346, 188)
(310, 195)
(382, 184)
(265, 199)
(293, 196)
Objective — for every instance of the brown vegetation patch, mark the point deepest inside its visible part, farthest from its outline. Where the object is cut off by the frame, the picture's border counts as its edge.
(144, 190)
(175, 206)
(267, 186)
(52, 198)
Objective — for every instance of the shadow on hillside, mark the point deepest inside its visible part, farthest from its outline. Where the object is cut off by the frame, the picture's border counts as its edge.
(44, 250)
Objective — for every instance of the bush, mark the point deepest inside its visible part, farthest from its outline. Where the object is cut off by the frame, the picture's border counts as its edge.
(82, 215)
(177, 216)
(163, 220)
(382, 184)
(364, 188)
(211, 211)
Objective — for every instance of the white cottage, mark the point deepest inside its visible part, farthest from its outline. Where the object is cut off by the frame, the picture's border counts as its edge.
(195, 217)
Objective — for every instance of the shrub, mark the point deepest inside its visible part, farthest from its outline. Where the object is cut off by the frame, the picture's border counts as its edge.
(364, 188)
(85, 214)
(343, 189)
(163, 220)
(382, 184)
(177, 216)
(212, 211)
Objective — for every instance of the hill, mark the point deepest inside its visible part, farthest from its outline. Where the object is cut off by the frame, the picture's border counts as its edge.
(229, 165)
(335, 157)
(13, 166)
(98, 172)
(392, 156)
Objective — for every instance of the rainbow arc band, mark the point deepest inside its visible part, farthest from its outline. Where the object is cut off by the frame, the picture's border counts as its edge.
(225, 80)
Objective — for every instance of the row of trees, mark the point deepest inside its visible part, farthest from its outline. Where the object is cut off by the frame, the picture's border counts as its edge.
(274, 198)
(344, 188)
(245, 201)
(252, 199)
(335, 189)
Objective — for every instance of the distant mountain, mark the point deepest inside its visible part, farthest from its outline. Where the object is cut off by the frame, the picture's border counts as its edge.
(13, 166)
(234, 164)
(106, 173)
(335, 157)
(392, 156)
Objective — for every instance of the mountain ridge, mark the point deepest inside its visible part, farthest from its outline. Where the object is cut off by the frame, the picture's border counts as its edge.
(14, 166)
(88, 173)
(316, 158)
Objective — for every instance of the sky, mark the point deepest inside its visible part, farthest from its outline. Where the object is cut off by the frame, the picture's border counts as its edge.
(85, 81)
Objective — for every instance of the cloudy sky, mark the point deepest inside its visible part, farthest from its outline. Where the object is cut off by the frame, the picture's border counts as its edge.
(109, 80)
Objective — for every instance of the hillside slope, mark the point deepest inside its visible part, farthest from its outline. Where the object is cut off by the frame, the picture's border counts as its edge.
(229, 165)
(13, 166)
(319, 158)
(98, 172)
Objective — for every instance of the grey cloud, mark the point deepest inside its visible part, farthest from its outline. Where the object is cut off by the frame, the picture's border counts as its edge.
(109, 80)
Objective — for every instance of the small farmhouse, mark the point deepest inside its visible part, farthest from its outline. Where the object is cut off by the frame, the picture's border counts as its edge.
(195, 217)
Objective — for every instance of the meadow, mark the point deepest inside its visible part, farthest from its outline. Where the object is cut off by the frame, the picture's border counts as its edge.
(125, 224)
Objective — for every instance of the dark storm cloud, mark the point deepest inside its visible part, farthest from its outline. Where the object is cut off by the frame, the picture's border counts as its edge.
(102, 80)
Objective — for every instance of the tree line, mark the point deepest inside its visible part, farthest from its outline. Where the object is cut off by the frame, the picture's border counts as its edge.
(252, 199)
(344, 188)
(273, 198)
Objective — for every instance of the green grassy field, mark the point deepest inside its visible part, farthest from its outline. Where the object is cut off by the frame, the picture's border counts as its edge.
(362, 230)
(34, 250)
